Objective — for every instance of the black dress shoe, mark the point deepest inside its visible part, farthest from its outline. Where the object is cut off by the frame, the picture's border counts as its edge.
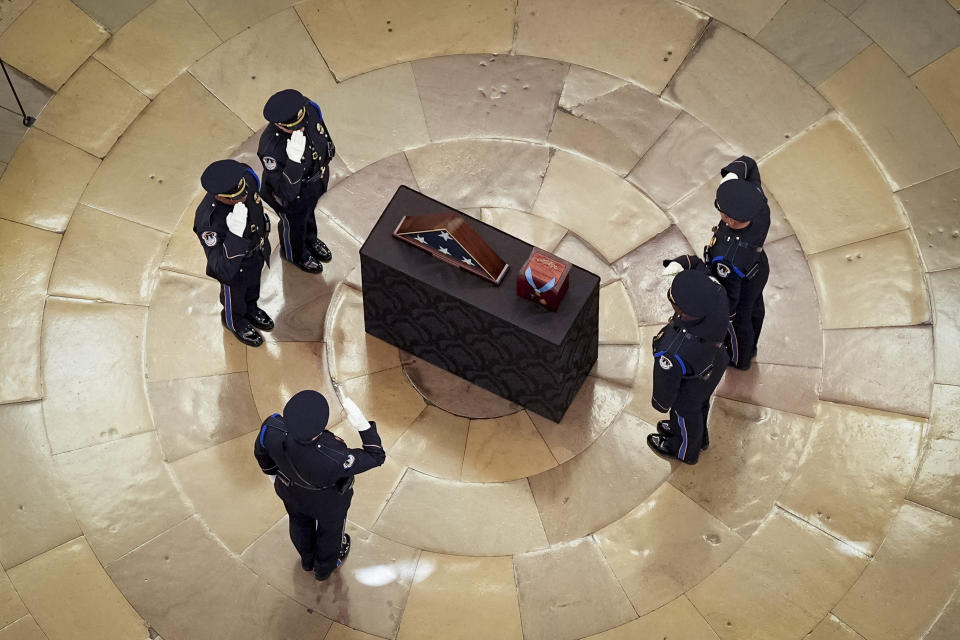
(665, 428)
(310, 265)
(319, 250)
(658, 444)
(705, 443)
(261, 320)
(341, 557)
(307, 565)
(245, 333)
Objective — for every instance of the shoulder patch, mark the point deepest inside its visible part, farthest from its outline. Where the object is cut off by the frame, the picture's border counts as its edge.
(209, 238)
(723, 270)
(665, 363)
(349, 461)
(269, 163)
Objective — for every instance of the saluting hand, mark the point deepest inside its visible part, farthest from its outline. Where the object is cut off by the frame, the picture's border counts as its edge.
(296, 145)
(237, 219)
(355, 415)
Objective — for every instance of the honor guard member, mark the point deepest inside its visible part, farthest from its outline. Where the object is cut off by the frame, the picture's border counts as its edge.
(233, 230)
(296, 150)
(688, 362)
(736, 257)
(314, 473)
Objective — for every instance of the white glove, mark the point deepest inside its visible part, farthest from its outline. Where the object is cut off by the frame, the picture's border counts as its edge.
(296, 145)
(730, 176)
(272, 478)
(237, 219)
(672, 269)
(354, 415)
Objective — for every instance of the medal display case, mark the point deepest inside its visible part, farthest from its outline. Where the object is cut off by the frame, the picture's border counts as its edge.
(543, 278)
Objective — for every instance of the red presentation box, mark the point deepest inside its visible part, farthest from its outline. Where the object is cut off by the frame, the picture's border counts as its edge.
(543, 278)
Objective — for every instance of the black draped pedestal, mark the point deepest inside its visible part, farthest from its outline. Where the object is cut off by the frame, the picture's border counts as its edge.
(473, 328)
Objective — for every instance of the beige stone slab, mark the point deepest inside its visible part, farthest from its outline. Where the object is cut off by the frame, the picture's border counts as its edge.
(636, 117)
(340, 632)
(158, 45)
(504, 449)
(936, 485)
(831, 189)
(568, 591)
(354, 353)
(503, 173)
(26, 258)
(931, 207)
(584, 83)
(573, 185)
(121, 493)
(762, 592)
(747, 96)
(37, 515)
(643, 42)
(489, 96)
(918, 556)
(387, 398)
(70, 595)
(813, 38)
(572, 498)
(913, 35)
(279, 370)
(92, 109)
(948, 624)
(112, 14)
(679, 617)
(367, 593)
(899, 126)
(110, 382)
(434, 443)
(618, 322)
(855, 473)
(185, 337)
(23, 629)
(587, 138)
(832, 628)
(765, 385)
(900, 372)
(230, 17)
(183, 252)
(462, 599)
(11, 134)
(189, 586)
(938, 82)
(153, 172)
(126, 274)
(11, 607)
(575, 250)
(531, 229)
(748, 17)
(491, 519)
(946, 325)
(664, 547)
(754, 452)
(641, 269)
(593, 409)
(11, 11)
(50, 40)
(32, 199)
(617, 363)
(32, 95)
(248, 69)
(846, 7)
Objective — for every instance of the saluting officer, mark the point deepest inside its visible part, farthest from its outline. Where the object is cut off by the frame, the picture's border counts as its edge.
(688, 362)
(736, 256)
(296, 150)
(233, 230)
(314, 472)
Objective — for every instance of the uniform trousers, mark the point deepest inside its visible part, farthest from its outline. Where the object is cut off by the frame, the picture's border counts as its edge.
(749, 319)
(688, 416)
(317, 522)
(298, 222)
(239, 297)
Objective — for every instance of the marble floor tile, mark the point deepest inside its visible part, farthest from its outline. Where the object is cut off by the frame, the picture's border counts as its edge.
(23, 629)
(158, 45)
(939, 82)
(643, 41)
(948, 624)
(11, 134)
(593, 409)
(936, 485)
(185, 337)
(189, 586)
(489, 96)
(813, 38)
(489, 519)
(832, 628)
(92, 109)
(11, 11)
(898, 125)
(153, 171)
(831, 189)
(340, 632)
(931, 207)
(946, 325)
(434, 443)
(357, 202)
(573, 186)
(42, 154)
(918, 555)
(125, 497)
(678, 617)
(762, 592)
(26, 258)
(11, 606)
(354, 352)
(531, 229)
(901, 374)
(578, 252)
(279, 370)
(747, 17)
(451, 393)
(584, 83)
(70, 595)
(913, 35)
(754, 452)
(600, 485)
(387, 398)
(686, 155)
(846, 7)
(764, 384)
(357, 38)
(460, 598)
(37, 516)
(742, 92)
(112, 14)
(32, 95)
(246, 70)
(183, 252)
(568, 591)
(642, 388)
(618, 323)
(855, 473)
(665, 546)
(587, 138)
(219, 478)
(641, 269)
(110, 382)
(503, 173)
(367, 593)
(50, 40)
(617, 363)
(126, 274)
(504, 449)
(230, 17)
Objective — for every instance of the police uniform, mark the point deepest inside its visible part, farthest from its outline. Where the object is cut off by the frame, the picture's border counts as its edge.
(293, 188)
(235, 261)
(688, 362)
(736, 256)
(314, 477)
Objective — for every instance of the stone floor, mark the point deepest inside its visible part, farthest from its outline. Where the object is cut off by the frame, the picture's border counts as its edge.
(827, 507)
